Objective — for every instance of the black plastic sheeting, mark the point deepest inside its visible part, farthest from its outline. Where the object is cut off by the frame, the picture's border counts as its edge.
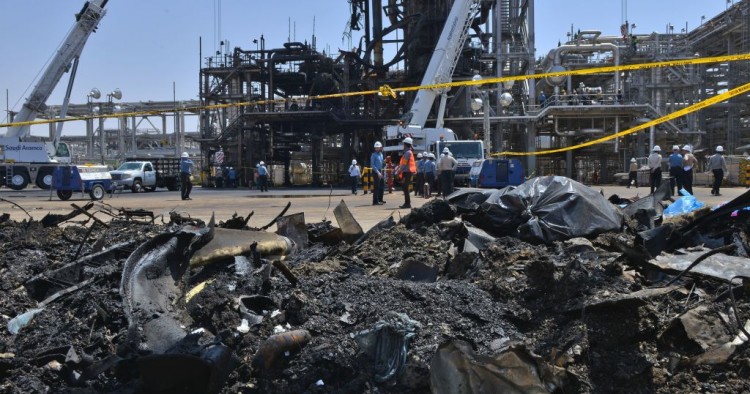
(542, 210)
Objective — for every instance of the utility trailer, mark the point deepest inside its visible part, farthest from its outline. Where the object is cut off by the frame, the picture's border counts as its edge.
(93, 179)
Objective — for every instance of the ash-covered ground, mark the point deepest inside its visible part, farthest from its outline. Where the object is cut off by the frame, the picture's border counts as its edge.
(592, 314)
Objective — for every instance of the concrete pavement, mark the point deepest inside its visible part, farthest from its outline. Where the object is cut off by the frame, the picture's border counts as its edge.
(317, 204)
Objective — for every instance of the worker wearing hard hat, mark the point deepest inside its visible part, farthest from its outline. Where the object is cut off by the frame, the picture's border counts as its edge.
(430, 169)
(419, 177)
(407, 167)
(447, 166)
(186, 172)
(654, 167)
(376, 162)
(262, 177)
(688, 163)
(675, 170)
(354, 174)
(718, 166)
(633, 174)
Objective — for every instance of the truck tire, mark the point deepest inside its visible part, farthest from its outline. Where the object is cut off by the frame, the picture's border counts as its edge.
(173, 185)
(64, 194)
(97, 192)
(44, 178)
(137, 186)
(19, 180)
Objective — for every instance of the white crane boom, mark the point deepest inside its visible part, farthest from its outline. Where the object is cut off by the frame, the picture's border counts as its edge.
(444, 60)
(86, 22)
(439, 70)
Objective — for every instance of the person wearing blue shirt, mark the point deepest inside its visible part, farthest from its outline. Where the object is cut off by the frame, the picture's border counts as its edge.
(354, 174)
(232, 176)
(430, 168)
(376, 162)
(419, 178)
(675, 170)
(262, 177)
(186, 171)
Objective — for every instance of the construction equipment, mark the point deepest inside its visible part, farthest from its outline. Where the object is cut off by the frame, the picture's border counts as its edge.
(27, 159)
(465, 152)
(439, 70)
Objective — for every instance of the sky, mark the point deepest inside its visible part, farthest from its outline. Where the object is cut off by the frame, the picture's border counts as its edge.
(145, 47)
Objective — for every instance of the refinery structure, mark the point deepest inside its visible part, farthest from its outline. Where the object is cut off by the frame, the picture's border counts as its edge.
(313, 140)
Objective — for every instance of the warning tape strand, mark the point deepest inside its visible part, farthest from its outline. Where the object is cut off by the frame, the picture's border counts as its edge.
(676, 114)
(387, 91)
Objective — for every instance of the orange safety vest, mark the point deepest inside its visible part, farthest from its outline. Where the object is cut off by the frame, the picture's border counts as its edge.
(412, 164)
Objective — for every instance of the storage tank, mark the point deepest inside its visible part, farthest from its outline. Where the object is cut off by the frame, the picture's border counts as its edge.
(277, 174)
(301, 173)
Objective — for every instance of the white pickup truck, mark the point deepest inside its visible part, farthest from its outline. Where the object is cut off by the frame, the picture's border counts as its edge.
(138, 174)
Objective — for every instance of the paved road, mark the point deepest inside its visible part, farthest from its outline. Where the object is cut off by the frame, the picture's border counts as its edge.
(317, 204)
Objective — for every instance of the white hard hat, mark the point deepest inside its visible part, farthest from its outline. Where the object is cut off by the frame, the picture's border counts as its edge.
(354, 162)
(687, 148)
(675, 147)
(657, 148)
(378, 144)
(720, 148)
(632, 160)
(419, 155)
(446, 150)
(184, 154)
(432, 156)
(408, 140)
(261, 163)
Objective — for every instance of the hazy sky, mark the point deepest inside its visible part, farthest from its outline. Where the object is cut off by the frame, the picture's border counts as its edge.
(143, 46)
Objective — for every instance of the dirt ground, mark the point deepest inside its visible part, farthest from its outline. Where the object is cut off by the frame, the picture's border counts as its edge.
(595, 309)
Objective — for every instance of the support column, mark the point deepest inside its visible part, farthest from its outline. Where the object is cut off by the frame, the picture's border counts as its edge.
(122, 127)
(531, 128)
(531, 147)
(133, 141)
(316, 156)
(89, 138)
(102, 141)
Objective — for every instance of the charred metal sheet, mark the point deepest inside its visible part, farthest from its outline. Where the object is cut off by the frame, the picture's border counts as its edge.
(229, 243)
(154, 277)
(352, 230)
(293, 227)
(720, 266)
(456, 368)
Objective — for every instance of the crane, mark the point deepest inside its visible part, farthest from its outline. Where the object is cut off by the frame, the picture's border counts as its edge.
(439, 70)
(25, 160)
(68, 53)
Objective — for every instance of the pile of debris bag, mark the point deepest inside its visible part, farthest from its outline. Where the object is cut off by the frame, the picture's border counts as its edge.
(549, 287)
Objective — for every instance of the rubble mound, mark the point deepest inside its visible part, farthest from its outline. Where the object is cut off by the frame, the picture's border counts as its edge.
(384, 312)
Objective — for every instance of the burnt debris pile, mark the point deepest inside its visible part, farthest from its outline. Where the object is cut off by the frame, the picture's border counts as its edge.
(548, 287)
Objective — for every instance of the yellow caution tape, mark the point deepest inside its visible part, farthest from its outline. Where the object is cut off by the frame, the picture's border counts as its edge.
(387, 91)
(692, 108)
(197, 289)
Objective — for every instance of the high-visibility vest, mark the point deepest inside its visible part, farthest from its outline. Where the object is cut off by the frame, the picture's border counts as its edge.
(412, 164)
